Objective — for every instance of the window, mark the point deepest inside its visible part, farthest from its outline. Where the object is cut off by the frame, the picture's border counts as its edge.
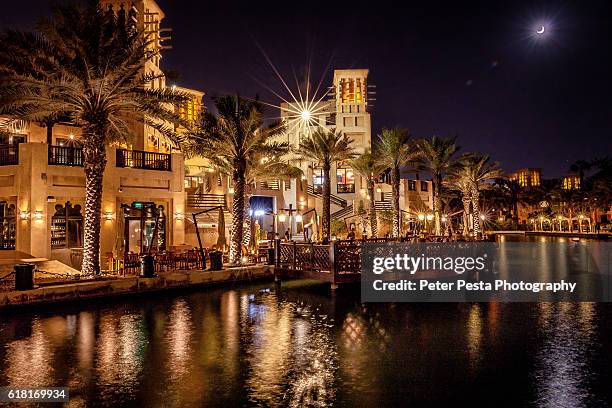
(67, 226)
(193, 181)
(7, 225)
(12, 138)
(411, 185)
(424, 186)
(317, 180)
(345, 181)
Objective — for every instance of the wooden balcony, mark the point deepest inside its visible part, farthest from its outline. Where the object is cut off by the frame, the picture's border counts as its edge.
(66, 156)
(138, 159)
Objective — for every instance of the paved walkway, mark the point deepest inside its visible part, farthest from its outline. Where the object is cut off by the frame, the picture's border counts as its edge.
(112, 286)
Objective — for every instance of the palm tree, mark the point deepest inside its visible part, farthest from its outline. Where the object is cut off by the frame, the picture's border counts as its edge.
(86, 64)
(262, 164)
(512, 194)
(324, 147)
(233, 139)
(368, 168)
(483, 170)
(437, 157)
(461, 180)
(394, 151)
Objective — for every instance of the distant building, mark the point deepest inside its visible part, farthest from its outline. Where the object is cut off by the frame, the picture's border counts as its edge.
(570, 182)
(528, 177)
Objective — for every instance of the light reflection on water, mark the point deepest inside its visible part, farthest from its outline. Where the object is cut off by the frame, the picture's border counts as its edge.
(563, 363)
(256, 346)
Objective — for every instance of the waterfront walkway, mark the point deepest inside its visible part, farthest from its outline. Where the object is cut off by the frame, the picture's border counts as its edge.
(114, 285)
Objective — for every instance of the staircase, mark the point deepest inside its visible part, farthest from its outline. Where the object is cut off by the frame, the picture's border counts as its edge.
(386, 202)
(206, 201)
(343, 213)
(333, 198)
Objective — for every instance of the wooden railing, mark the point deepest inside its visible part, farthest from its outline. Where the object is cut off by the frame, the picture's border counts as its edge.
(138, 159)
(66, 156)
(269, 185)
(383, 205)
(343, 213)
(339, 261)
(9, 155)
(205, 201)
(334, 199)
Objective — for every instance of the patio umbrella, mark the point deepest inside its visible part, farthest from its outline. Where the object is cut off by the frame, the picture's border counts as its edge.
(221, 241)
(315, 228)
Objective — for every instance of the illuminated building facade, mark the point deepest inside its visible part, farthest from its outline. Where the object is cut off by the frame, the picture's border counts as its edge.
(528, 177)
(42, 182)
(570, 182)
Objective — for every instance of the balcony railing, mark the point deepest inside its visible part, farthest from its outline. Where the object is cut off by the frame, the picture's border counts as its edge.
(66, 156)
(138, 159)
(9, 155)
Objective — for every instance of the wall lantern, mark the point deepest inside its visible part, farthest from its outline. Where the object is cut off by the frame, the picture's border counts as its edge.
(178, 215)
(109, 215)
(24, 215)
(282, 217)
(38, 215)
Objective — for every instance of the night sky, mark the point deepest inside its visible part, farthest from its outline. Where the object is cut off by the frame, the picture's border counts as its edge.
(467, 69)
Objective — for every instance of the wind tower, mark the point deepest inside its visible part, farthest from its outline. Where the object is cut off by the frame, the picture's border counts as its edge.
(352, 98)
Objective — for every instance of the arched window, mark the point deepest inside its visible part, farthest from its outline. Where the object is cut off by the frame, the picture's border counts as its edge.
(67, 226)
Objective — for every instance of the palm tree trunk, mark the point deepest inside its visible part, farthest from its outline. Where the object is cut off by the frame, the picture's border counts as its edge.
(515, 209)
(94, 162)
(395, 184)
(372, 209)
(246, 228)
(437, 204)
(326, 217)
(236, 232)
(465, 198)
(476, 209)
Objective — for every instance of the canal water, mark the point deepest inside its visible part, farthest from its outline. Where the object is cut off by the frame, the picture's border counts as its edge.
(301, 346)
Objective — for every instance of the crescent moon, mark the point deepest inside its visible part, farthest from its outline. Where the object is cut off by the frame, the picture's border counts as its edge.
(541, 30)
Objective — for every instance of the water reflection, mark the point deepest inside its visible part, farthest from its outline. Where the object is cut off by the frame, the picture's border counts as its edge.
(256, 346)
(564, 371)
(29, 360)
(119, 352)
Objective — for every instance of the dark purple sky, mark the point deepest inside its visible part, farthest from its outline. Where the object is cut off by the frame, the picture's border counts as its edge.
(467, 69)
